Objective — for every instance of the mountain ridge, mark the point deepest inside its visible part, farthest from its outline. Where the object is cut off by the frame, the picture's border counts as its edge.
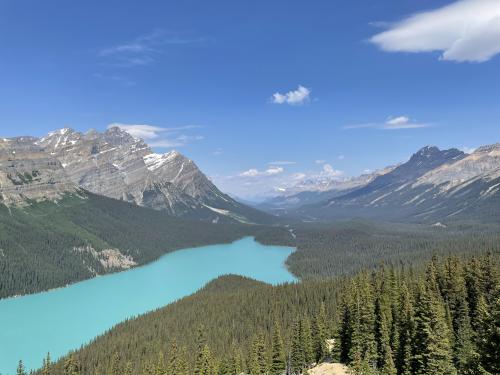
(117, 165)
(423, 189)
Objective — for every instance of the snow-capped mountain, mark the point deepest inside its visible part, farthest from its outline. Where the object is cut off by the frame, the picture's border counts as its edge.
(433, 185)
(317, 189)
(116, 165)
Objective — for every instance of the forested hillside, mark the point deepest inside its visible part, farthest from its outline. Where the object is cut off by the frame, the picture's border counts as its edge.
(345, 247)
(47, 244)
(440, 319)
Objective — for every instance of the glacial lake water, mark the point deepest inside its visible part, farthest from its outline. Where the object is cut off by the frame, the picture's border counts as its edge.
(64, 319)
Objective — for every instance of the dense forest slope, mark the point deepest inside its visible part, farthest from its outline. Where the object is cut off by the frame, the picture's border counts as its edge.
(47, 245)
(440, 319)
(50, 244)
(345, 247)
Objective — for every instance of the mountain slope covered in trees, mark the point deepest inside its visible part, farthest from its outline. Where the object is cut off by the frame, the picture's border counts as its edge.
(440, 319)
(47, 245)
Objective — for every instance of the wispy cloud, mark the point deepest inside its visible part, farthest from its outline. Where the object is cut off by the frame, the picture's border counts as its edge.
(253, 172)
(282, 162)
(468, 150)
(218, 152)
(294, 97)
(464, 31)
(144, 50)
(392, 123)
(161, 137)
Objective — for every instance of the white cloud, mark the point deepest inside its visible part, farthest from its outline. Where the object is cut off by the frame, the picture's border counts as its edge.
(466, 30)
(468, 150)
(402, 122)
(254, 172)
(392, 123)
(142, 131)
(274, 170)
(250, 173)
(157, 136)
(320, 161)
(329, 171)
(294, 97)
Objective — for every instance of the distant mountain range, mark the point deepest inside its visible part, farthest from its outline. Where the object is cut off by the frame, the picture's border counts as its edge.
(315, 190)
(116, 165)
(434, 185)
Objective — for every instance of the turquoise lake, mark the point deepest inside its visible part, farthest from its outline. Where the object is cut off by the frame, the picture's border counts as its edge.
(63, 319)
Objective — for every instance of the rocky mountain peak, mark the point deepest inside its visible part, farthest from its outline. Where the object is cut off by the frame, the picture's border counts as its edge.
(433, 153)
(487, 149)
(116, 135)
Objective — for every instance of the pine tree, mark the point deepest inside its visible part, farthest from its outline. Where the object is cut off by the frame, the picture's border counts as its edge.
(160, 367)
(320, 334)
(278, 360)
(207, 366)
(47, 365)
(258, 362)
(405, 328)
(128, 368)
(200, 346)
(489, 341)
(433, 353)
(297, 359)
(115, 368)
(307, 344)
(346, 330)
(20, 369)
(173, 359)
(385, 362)
(182, 362)
(71, 366)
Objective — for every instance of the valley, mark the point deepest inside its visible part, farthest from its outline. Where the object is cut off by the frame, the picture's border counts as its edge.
(102, 302)
(131, 235)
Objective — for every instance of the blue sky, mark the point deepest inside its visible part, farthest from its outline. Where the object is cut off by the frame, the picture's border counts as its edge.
(359, 85)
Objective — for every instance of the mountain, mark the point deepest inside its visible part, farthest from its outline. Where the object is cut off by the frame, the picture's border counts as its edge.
(433, 185)
(116, 165)
(27, 172)
(315, 190)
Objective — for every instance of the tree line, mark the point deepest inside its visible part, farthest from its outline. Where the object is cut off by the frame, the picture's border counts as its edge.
(443, 319)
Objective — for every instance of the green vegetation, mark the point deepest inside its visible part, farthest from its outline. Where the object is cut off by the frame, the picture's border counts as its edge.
(440, 319)
(342, 248)
(24, 178)
(38, 242)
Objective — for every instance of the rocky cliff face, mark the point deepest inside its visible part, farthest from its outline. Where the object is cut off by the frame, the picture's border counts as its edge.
(116, 165)
(27, 173)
